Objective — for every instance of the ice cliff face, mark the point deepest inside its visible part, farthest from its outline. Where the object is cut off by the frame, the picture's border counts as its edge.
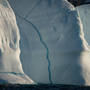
(53, 47)
(10, 65)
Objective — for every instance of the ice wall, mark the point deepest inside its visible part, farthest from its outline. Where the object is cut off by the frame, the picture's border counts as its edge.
(10, 65)
(53, 48)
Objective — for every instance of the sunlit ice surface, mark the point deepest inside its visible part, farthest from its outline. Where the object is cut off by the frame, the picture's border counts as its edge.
(85, 18)
(10, 66)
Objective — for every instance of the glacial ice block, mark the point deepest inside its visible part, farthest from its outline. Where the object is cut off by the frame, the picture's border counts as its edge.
(10, 66)
(53, 47)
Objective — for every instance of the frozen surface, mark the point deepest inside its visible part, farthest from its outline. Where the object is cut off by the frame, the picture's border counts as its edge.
(10, 65)
(84, 12)
(53, 47)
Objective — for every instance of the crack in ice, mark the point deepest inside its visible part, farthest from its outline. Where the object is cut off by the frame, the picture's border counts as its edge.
(44, 44)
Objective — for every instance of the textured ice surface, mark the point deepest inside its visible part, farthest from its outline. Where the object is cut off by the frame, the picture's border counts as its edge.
(53, 48)
(10, 65)
(84, 12)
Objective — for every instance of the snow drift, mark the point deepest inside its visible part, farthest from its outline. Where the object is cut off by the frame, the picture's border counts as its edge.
(53, 47)
(10, 65)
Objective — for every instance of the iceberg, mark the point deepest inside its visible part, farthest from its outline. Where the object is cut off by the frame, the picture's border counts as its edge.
(53, 46)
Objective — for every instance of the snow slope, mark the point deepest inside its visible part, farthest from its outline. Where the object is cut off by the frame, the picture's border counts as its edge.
(10, 65)
(53, 47)
(84, 12)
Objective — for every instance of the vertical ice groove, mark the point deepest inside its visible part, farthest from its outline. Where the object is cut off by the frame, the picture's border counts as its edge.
(44, 44)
